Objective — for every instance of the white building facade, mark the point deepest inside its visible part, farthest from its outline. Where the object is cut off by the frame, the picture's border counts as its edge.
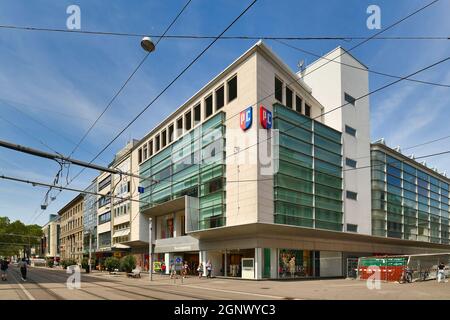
(256, 173)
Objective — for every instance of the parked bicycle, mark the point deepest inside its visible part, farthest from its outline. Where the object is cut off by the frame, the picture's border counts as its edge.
(407, 276)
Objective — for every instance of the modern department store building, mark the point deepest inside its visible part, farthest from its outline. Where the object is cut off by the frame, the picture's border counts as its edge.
(267, 185)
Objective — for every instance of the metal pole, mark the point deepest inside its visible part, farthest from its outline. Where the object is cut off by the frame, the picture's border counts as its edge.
(150, 249)
(90, 249)
(53, 156)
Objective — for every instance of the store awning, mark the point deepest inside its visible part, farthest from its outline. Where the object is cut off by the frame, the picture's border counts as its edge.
(121, 233)
(120, 246)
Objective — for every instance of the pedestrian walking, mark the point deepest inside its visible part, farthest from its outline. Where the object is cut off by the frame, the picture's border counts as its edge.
(441, 273)
(172, 271)
(23, 269)
(200, 270)
(4, 268)
(185, 269)
(208, 269)
(163, 268)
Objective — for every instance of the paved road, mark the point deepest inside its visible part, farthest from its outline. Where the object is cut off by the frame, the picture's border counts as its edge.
(50, 284)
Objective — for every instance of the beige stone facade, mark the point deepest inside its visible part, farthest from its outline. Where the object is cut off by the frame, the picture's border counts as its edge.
(72, 230)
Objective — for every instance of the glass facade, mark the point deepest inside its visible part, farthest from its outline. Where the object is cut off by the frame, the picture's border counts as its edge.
(407, 202)
(194, 165)
(308, 184)
(90, 217)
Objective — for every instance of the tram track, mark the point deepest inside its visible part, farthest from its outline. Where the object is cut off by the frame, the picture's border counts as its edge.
(143, 287)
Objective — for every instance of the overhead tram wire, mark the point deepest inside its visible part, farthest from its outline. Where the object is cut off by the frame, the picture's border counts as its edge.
(359, 68)
(128, 79)
(170, 84)
(345, 104)
(352, 48)
(203, 37)
(42, 124)
(43, 184)
(296, 80)
(28, 134)
(122, 88)
(392, 25)
(357, 45)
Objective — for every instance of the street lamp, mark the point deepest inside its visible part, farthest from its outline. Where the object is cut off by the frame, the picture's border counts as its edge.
(147, 44)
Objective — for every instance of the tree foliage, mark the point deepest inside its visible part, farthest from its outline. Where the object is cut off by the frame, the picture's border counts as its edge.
(16, 236)
(128, 263)
(112, 263)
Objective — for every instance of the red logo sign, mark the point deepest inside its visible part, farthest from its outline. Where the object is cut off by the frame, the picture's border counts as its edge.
(265, 117)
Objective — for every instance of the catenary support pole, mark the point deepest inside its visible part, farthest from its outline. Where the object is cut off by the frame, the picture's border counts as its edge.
(150, 249)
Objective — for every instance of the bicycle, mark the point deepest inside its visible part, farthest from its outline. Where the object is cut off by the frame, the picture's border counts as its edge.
(407, 276)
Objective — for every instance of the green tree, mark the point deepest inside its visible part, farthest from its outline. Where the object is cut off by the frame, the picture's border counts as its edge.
(16, 236)
(128, 263)
(112, 263)
(85, 264)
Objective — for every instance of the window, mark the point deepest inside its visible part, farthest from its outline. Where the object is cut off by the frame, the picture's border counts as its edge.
(220, 98)
(351, 195)
(350, 130)
(289, 98)
(232, 88)
(197, 116)
(179, 127)
(144, 152)
(170, 133)
(394, 181)
(279, 90)
(167, 226)
(140, 155)
(208, 106)
(352, 227)
(298, 104)
(307, 110)
(157, 144)
(103, 218)
(164, 138)
(104, 183)
(104, 239)
(188, 121)
(150, 148)
(350, 162)
(348, 98)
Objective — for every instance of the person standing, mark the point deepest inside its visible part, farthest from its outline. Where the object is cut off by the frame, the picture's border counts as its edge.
(4, 268)
(163, 268)
(208, 269)
(200, 270)
(441, 272)
(23, 269)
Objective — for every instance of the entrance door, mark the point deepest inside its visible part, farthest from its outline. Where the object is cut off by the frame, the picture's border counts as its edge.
(193, 262)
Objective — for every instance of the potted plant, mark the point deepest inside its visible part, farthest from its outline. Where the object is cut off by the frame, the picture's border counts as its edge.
(50, 263)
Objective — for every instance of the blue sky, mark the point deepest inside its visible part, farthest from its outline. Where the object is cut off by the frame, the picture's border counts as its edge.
(53, 85)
